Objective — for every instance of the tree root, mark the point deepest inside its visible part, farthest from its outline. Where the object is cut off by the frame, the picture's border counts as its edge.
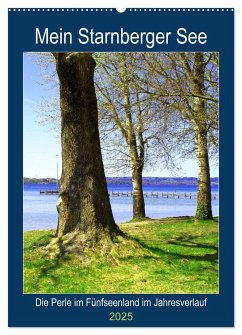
(88, 248)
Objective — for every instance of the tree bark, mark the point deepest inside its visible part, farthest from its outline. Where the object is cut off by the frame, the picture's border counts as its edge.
(136, 161)
(83, 204)
(138, 197)
(204, 207)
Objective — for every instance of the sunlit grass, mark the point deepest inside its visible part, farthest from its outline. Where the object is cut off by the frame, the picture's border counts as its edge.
(181, 257)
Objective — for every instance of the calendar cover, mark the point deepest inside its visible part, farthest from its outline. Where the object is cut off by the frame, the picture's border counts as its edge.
(121, 167)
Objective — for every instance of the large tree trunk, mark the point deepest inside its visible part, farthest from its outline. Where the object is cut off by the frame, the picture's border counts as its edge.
(83, 204)
(204, 207)
(138, 197)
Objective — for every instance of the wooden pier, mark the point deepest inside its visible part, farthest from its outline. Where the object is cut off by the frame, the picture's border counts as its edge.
(49, 191)
(167, 195)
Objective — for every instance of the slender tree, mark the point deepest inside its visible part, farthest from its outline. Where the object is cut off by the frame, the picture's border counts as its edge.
(127, 118)
(118, 96)
(198, 117)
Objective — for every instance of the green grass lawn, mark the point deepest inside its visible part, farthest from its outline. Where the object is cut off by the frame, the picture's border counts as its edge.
(182, 257)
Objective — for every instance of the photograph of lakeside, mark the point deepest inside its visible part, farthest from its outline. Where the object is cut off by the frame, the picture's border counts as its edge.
(121, 187)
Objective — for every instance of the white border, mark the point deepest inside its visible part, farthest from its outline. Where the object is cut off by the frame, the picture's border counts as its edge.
(70, 10)
(4, 172)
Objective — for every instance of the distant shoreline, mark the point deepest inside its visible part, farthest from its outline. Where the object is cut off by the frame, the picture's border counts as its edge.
(128, 181)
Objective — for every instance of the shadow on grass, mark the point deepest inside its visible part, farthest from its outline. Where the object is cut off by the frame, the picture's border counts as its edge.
(42, 241)
(50, 265)
(186, 241)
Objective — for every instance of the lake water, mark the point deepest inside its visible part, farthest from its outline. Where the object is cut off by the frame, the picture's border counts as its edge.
(40, 210)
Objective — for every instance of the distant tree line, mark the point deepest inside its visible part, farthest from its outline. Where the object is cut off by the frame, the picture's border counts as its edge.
(128, 181)
(39, 180)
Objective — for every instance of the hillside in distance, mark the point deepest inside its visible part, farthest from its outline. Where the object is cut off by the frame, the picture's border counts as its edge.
(128, 181)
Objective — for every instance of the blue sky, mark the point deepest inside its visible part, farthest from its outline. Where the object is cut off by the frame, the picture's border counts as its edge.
(40, 143)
